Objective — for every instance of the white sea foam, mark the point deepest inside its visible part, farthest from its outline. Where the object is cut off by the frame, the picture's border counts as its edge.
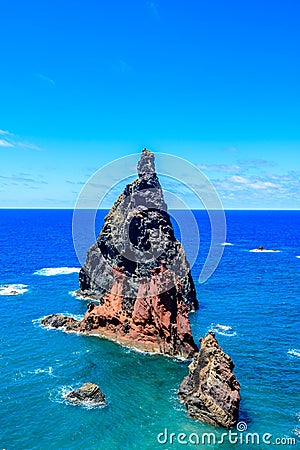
(13, 289)
(297, 256)
(37, 322)
(48, 371)
(257, 250)
(73, 293)
(224, 244)
(224, 330)
(58, 395)
(133, 349)
(80, 353)
(18, 375)
(294, 352)
(51, 271)
(73, 316)
(82, 297)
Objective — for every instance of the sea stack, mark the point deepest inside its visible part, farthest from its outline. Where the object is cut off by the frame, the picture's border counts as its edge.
(136, 236)
(210, 391)
(138, 273)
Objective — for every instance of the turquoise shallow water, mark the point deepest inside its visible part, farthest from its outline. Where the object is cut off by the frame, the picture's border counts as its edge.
(257, 295)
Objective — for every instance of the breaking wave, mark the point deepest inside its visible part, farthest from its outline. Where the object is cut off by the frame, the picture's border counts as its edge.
(257, 250)
(48, 371)
(51, 271)
(13, 289)
(294, 352)
(224, 330)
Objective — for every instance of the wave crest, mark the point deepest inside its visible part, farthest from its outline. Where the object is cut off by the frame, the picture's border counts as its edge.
(51, 271)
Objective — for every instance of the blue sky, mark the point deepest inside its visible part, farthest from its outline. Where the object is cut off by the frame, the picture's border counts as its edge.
(214, 82)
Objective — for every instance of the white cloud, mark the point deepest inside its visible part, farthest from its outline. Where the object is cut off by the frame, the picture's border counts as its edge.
(252, 184)
(12, 141)
(124, 67)
(220, 167)
(263, 185)
(45, 78)
(238, 179)
(153, 7)
(255, 163)
(27, 145)
(4, 143)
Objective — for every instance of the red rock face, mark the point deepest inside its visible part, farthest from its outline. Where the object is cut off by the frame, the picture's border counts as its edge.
(158, 323)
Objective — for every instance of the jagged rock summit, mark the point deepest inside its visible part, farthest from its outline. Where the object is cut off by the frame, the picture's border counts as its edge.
(210, 391)
(138, 273)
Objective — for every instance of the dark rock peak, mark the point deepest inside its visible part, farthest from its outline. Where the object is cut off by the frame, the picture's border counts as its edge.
(146, 163)
(137, 234)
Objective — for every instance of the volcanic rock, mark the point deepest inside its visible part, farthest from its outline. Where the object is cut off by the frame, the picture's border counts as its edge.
(137, 234)
(139, 275)
(88, 393)
(211, 392)
(138, 272)
(158, 323)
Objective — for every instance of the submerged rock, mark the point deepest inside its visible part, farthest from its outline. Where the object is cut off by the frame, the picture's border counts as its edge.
(88, 393)
(60, 321)
(211, 392)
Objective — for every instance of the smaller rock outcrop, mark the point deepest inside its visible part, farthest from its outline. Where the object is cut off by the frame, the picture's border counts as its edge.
(60, 321)
(211, 392)
(88, 393)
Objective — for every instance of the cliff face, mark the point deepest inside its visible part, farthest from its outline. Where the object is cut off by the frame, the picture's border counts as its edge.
(158, 322)
(211, 392)
(137, 234)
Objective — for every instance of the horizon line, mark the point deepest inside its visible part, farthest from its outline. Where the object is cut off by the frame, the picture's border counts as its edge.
(171, 209)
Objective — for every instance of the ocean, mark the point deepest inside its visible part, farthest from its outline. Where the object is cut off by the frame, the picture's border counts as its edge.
(253, 296)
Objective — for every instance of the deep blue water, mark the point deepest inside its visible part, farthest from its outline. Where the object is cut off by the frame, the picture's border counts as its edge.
(256, 294)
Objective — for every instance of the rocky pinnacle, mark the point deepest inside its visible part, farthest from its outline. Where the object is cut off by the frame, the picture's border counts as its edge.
(136, 236)
(138, 272)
